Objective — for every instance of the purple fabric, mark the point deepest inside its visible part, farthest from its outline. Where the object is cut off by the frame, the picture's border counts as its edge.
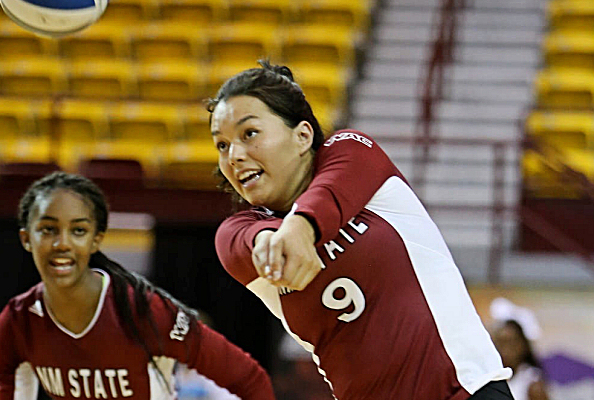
(565, 369)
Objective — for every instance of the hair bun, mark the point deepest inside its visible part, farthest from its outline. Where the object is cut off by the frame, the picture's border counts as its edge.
(278, 69)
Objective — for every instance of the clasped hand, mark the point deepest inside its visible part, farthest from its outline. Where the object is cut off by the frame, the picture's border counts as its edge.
(287, 257)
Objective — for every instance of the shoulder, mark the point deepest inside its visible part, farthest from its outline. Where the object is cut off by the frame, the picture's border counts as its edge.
(22, 303)
(349, 135)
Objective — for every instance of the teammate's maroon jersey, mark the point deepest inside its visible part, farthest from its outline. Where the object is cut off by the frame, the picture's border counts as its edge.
(388, 317)
(102, 362)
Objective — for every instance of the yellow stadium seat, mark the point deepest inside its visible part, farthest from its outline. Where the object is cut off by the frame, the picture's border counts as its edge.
(25, 130)
(318, 45)
(565, 88)
(571, 15)
(32, 76)
(102, 79)
(82, 124)
(242, 43)
(100, 41)
(569, 49)
(199, 12)
(168, 41)
(323, 84)
(197, 125)
(141, 131)
(273, 12)
(130, 11)
(191, 158)
(172, 81)
(16, 42)
(562, 129)
(342, 13)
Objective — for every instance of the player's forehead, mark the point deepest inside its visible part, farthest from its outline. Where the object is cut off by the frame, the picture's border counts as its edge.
(61, 205)
(235, 111)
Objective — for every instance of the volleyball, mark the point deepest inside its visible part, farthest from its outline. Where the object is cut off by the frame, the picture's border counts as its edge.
(54, 18)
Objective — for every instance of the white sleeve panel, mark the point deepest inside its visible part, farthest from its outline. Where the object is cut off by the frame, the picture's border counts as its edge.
(26, 384)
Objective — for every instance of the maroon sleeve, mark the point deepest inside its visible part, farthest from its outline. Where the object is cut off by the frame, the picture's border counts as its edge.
(234, 242)
(8, 358)
(210, 353)
(349, 168)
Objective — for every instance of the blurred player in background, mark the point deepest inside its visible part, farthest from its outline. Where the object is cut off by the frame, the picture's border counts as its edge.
(92, 329)
(515, 329)
(342, 251)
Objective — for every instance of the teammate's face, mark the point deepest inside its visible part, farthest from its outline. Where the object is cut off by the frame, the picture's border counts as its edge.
(510, 345)
(266, 162)
(61, 236)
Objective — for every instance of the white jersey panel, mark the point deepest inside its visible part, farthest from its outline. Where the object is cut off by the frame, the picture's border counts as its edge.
(269, 295)
(463, 335)
(162, 387)
(26, 384)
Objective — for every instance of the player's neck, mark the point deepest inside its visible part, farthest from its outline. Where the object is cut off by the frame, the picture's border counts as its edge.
(74, 307)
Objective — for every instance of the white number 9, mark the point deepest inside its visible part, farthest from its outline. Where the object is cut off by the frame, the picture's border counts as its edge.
(353, 295)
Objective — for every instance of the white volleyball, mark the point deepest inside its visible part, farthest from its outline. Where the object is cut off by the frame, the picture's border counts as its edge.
(54, 18)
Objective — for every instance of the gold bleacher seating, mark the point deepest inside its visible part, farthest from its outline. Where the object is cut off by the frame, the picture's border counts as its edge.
(336, 13)
(273, 12)
(111, 78)
(100, 41)
(574, 15)
(562, 129)
(569, 49)
(140, 131)
(241, 43)
(82, 124)
(16, 42)
(169, 40)
(25, 130)
(130, 11)
(565, 88)
(318, 44)
(32, 77)
(172, 81)
(199, 12)
(191, 157)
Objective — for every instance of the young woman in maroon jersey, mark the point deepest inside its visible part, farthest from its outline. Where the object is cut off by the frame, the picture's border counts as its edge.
(342, 251)
(92, 329)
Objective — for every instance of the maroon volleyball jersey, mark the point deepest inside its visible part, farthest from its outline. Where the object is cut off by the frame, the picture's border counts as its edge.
(389, 316)
(102, 362)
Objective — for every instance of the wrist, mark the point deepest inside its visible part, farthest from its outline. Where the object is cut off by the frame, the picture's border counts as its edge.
(302, 223)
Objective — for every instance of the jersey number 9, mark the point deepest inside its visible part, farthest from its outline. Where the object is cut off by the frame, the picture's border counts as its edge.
(352, 295)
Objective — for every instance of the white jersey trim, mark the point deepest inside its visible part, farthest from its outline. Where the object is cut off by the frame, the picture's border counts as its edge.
(269, 295)
(463, 335)
(106, 282)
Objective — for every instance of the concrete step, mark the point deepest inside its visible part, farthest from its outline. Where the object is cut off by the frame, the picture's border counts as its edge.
(510, 5)
(395, 16)
(483, 54)
(412, 3)
(477, 92)
(403, 34)
(499, 37)
(464, 195)
(473, 111)
(518, 75)
(398, 52)
(376, 88)
(471, 130)
(502, 19)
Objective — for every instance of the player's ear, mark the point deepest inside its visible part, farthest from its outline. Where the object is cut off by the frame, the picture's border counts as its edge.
(304, 135)
(97, 242)
(25, 239)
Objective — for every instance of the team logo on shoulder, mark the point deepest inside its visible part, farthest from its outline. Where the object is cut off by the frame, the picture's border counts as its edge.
(181, 327)
(348, 135)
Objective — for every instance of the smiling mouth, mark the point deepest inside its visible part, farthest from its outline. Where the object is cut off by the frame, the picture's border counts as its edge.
(251, 177)
(62, 264)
